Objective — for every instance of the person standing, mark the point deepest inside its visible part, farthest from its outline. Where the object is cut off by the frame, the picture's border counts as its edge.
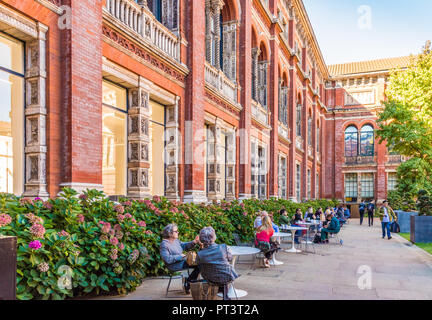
(370, 210)
(362, 208)
(387, 216)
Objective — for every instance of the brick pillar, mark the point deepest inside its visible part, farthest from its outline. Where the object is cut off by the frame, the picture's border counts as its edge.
(314, 150)
(194, 142)
(245, 61)
(82, 97)
(305, 116)
(292, 104)
(381, 175)
(274, 123)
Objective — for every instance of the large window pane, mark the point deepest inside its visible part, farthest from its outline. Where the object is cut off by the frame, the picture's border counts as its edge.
(11, 54)
(367, 186)
(114, 139)
(158, 162)
(367, 141)
(392, 181)
(11, 132)
(351, 187)
(351, 138)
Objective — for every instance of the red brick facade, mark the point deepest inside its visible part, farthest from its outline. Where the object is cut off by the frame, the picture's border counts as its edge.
(264, 61)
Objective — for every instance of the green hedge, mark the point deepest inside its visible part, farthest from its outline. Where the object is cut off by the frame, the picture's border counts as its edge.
(73, 246)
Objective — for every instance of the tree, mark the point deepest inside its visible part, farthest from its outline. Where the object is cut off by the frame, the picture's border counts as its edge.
(406, 122)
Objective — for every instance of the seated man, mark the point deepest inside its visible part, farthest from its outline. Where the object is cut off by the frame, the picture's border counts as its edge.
(298, 222)
(283, 219)
(333, 227)
(171, 251)
(214, 261)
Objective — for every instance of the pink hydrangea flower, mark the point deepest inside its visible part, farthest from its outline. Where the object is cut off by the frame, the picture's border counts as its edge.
(33, 218)
(37, 230)
(63, 234)
(121, 246)
(5, 219)
(120, 217)
(103, 238)
(119, 235)
(127, 203)
(112, 232)
(117, 227)
(142, 224)
(81, 218)
(83, 197)
(48, 205)
(128, 216)
(35, 245)
(43, 267)
(114, 241)
(156, 199)
(245, 214)
(148, 232)
(24, 201)
(119, 208)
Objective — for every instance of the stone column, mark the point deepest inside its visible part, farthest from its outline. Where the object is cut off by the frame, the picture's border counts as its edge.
(35, 116)
(139, 146)
(172, 152)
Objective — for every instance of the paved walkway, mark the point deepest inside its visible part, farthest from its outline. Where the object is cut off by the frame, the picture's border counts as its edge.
(399, 271)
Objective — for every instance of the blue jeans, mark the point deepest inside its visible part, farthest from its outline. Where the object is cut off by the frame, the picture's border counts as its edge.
(386, 226)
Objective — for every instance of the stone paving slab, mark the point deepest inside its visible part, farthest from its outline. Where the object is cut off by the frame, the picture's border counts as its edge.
(399, 271)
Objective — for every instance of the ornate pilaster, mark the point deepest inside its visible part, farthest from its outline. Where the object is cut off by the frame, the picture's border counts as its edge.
(230, 173)
(262, 83)
(229, 54)
(214, 162)
(255, 54)
(172, 151)
(139, 146)
(35, 116)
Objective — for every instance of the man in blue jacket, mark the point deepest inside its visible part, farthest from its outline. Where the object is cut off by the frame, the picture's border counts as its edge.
(334, 227)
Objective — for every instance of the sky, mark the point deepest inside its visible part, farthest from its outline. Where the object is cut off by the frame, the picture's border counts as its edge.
(358, 30)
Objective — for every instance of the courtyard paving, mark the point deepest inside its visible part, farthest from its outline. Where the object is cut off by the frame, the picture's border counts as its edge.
(398, 271)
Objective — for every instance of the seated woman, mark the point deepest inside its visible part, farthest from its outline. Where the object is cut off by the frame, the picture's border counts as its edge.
(310, 214)
(214, 260)
(171, 251)
(297, 222)
(283, 219)
(332, 227)
(263, 240)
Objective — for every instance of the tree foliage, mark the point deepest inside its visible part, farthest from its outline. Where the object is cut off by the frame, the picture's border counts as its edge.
(406, 122)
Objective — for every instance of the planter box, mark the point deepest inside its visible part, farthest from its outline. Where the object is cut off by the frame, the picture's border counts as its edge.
(421, 229)
(8, 266)
(404, 220)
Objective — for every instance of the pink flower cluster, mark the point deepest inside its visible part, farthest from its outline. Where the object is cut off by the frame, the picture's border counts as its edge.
(142, 224)
(35, 245)
(119, 208)
(81, 218)
(117, 227)
(106, 226)
(127, 203)
(33, 218)
(156, 199)
(245, 213)
(114, 241)
(174, 210)
(83, 197)
(24, 201)
(119, 234)
(121, 246)
(103, 238)
(148, 232)
(114, 253)
(43, 267)
(37, 230)
(63, 234)
(5, 219)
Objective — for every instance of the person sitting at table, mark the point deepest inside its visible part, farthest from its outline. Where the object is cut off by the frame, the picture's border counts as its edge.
(297, 222)
(171, 251)
(214, 261)
(258, 220)
(333, 227)
(283, 219)
(310, 214)
(263, 240)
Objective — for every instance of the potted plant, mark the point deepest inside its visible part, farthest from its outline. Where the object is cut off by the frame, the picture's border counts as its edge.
(421, 225)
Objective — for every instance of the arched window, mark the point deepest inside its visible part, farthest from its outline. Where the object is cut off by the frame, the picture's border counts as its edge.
(299, 118)
(367, 141)
(351, 142)
(283, 102)
(310, 140)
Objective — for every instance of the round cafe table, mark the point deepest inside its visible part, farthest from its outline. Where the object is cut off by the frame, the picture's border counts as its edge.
(293, 230)
(236, 252)
(278, 235)
(308, 225)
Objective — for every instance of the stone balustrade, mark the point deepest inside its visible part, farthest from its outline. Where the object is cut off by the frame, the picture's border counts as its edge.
(220, 82)
(142, 22)
(259, 113)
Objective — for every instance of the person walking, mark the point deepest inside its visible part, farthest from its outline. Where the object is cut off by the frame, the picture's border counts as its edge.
(362, 208)
(387, 216)
(371, 210)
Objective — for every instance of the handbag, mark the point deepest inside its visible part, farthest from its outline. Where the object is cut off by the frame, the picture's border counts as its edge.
(191, 258)
(395, 228)
(264, 246)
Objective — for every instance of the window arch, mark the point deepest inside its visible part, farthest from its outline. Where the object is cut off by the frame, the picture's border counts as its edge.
(367, 143)
(351, 141)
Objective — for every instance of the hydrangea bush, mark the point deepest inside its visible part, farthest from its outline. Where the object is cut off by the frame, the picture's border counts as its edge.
(80, 245)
